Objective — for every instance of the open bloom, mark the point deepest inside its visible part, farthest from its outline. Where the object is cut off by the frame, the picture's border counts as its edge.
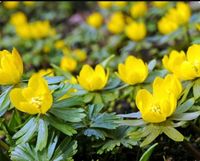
(36, 98)
(116, 23)
(104, 4)
(68, 64)
(93, 79)
(136, 31)
(11, 67)
(133, 71)
(138, 9)
(156, 107)
(95, 20)
(184, 66)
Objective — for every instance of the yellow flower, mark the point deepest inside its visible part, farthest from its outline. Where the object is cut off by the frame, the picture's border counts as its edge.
(71, 90)
(138, 9)
(170, 84)
(183, 11)
(133, 71)
(59, 44)
(120, 3)
(18, 19)
(166, 26)
(136, 31)
(36, 98)
(104, 4)
(68, 64)
(11, 67)
(23, 31)
(160, 4)
(91, 79)
(11, 4)
(198, 26)
(46, 72)
(29, 3)
(95, 20)
(66, 51)
(116, 23)
(156, 107)
(81, 55)
(185, 67)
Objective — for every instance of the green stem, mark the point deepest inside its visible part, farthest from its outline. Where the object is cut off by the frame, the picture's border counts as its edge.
(4, 145)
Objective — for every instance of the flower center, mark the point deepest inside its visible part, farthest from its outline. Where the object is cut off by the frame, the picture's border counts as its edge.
(37, 102)
(156, 108)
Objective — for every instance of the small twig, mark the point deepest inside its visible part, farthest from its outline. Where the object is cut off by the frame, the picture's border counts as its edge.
(4, 145)
(188, 146)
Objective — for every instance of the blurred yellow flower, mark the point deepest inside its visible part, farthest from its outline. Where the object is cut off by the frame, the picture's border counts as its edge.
(160, 4)
(165, 26)
(156, 107)
(184, 66)
(93, 79)
(119, 3)
(29, 3)
(80, 54)
(174, 18)
(18, 19)
(35, 30)
(59, 44)
(198, 26)
(36, 98)
(46, 72)
(11, 67)
(104, 4)
(136, 31)
(133, 71)
(138, 9)
(95, 20)
(10, 4)
(68, 63)
(116, 23)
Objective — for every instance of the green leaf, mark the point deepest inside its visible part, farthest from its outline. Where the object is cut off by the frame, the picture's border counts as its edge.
(185, 106)
(94, 110)
(147, 154)
(42, 135)
(25, 128)
(69, 102)
(131, 122)
(62, 91)
(97, 99)
(54, 80)
(154, 132)
(69, 114)
(65, 150)
(152, 64)
(131, 115)
(105, 120)
(185, 116)
(63, 127)
(108, 146)
(4, 101)
(88, 97)
(196, 89)
(152, 75)
(173, 133)
(105, 62)
(97, 133)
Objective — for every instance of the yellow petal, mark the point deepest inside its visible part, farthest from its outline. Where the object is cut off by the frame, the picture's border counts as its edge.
(153, 117)
(16, 97)
(193, 54)
(28, 108)
(143, 100)
(46, 103)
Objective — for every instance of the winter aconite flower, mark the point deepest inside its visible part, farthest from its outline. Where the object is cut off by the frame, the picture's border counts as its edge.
(11, 4)
(184, 66)
(138, 9)
(93, 79)
(11, 67)
(133, 71)
(36, 98)
(95, 20)
(68, 64)
(116, 23)
(159, 4)
(46, 72)
(156, 107)
(136, 31)
(18, 19)
(175, 17)
(104, 4)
